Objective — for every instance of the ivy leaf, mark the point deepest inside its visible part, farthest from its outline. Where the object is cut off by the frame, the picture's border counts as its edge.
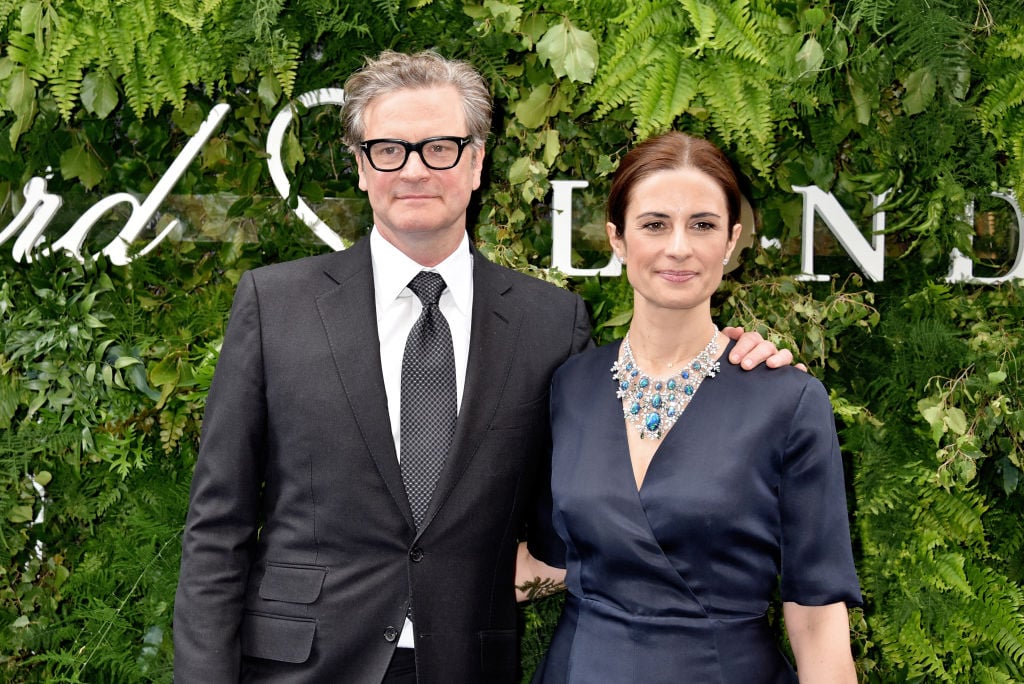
(99, 93)
(78, 162)
(571, 52)
(920, 86)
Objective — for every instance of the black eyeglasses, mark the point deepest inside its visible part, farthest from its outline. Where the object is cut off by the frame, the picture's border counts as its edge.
(390, 154)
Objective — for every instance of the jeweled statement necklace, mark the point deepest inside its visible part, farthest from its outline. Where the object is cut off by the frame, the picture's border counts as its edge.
(653, 405)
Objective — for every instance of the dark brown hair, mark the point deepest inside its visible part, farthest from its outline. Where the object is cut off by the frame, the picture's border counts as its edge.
(667, 152)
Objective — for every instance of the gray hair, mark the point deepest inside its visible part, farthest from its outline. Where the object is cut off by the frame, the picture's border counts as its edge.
(393, 71)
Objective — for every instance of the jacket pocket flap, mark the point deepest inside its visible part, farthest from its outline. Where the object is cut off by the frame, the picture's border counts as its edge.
(292, 583)
(274, 637)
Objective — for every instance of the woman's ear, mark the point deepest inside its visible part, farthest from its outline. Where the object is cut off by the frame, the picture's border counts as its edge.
(617, 243)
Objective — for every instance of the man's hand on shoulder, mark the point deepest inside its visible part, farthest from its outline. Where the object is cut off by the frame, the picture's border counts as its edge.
(752, 350)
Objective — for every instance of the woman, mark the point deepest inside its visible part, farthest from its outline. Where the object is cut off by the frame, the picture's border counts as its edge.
(689, 493)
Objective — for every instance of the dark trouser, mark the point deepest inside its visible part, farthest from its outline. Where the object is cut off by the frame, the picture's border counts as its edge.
(402, 669)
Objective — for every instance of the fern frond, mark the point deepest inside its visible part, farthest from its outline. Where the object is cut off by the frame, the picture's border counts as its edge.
(739, 35)
(704, 20)
(874, 13)
(669, 94)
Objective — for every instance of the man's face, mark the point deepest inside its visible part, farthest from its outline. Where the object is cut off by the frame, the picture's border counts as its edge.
(419, 210)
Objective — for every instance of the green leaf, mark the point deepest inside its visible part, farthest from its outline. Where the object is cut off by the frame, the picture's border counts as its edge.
(519, 172)
(570, 51)
(533, 111)
(920, 86)
(292, 151)
(99, 93)
(21, 93)
(956, 420)
(269, 90)
(506, 15)
(20, 514)
(552, 148)
(996, 377)
(164, 372)
(618, 319)
(78, 162)
(810, 56)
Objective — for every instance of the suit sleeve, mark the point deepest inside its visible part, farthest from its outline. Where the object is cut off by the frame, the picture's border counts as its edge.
(220, 530)
(542, 541)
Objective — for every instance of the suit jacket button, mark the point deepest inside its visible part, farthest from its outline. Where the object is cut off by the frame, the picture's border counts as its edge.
(390, 633)
(416, 554)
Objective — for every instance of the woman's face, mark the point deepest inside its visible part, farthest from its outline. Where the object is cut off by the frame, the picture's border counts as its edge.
(675, 239)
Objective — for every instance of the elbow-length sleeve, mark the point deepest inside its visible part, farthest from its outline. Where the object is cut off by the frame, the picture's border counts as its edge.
(816, 553)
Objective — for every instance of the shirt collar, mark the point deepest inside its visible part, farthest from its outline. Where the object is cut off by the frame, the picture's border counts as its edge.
(392, 271)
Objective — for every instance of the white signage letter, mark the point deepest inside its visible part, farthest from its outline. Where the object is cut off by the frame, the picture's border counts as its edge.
(871, 258)
(41, 207)
(117, 250)
(961, 268)
(274, 140)
(561, 233)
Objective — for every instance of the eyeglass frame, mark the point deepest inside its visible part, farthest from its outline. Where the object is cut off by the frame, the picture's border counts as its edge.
(416, 147)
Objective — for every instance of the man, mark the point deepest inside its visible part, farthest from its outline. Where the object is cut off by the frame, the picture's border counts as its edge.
(310, 554)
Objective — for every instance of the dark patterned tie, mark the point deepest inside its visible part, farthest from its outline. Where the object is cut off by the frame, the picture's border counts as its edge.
(429, 399)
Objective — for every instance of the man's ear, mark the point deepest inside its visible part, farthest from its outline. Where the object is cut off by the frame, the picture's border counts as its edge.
(359, 169)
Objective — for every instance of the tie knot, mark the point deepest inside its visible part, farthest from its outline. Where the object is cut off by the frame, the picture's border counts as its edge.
(428, 286)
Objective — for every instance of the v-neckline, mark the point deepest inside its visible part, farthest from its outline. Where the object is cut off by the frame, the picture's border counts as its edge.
(626, 427)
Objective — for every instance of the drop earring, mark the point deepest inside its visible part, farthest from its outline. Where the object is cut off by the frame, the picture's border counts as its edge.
(725, 261)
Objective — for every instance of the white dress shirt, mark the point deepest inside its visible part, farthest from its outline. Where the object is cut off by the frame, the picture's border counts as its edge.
(397, 311)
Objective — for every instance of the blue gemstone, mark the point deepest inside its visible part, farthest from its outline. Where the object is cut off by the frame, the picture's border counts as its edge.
(652, 422)
(656, 401)
(634, 408)
(685, 375)
(688, 390)
(644, 382)
(658, 385)
(635, 373)
(624, 385)
(671, 384)
(695, 366)
(639, 394)
(671, 411)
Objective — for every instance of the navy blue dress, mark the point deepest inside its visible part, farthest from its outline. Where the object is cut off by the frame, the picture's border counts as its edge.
(743, 498)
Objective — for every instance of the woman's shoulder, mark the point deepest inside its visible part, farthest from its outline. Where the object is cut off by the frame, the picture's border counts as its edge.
(591, 360)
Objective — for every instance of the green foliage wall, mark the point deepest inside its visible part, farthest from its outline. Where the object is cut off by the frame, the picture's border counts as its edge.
(104, 369)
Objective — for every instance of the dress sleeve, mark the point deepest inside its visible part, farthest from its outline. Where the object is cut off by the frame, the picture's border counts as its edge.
(817, 558)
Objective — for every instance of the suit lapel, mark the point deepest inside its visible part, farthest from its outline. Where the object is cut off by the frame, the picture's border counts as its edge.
(349, 318)
(494, 333)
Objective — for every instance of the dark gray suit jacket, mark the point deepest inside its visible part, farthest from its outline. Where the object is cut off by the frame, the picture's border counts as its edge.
(300, 556)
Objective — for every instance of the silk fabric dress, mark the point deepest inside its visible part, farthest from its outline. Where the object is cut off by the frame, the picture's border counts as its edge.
(744, 502)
